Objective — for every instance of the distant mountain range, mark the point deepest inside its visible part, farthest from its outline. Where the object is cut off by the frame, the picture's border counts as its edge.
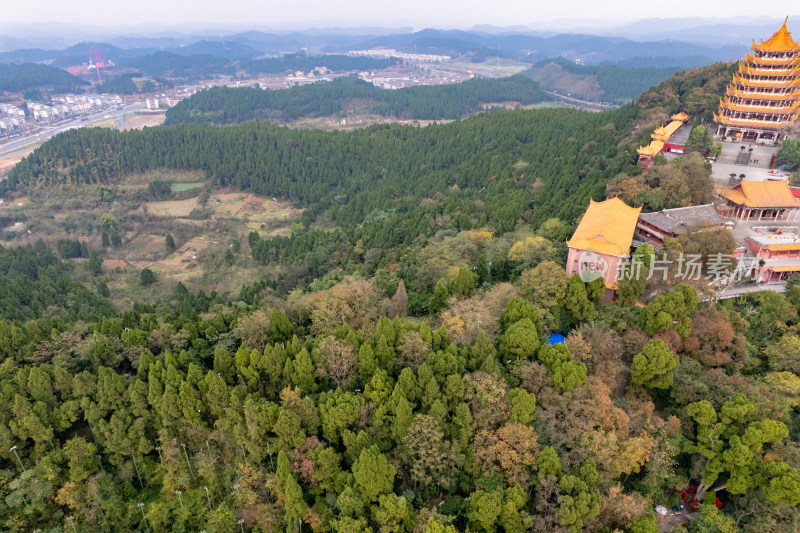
(652, 42)
(589, 49)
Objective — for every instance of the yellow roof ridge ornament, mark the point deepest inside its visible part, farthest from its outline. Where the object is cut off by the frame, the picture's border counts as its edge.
(781, 40)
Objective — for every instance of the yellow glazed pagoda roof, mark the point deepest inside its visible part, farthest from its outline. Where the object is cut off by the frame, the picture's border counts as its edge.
(781, 41)
(738, 79)
(663, 133)
(790, 108)
(734, 92)
(760, 194)
(763, 124)
(771, 61)
(606, 228)
(755, 70)
(683, 117)
(783, 247)
(651, 149)
(789, 268)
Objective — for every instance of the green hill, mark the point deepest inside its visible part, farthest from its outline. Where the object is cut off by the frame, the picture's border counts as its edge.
(606, 83)
(222, 105)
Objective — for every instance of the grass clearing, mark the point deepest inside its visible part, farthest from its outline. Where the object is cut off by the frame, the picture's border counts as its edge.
(138, 121)
(110, 122)
(186, 186)
(172, 208)
(163, 174)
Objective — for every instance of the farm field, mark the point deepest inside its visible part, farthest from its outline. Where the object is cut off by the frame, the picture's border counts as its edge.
(205, 232)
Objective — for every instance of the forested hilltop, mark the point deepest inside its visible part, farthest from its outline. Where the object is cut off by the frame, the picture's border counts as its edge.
(396, 369)
(381, 187)
(29, 76)
(607, 83)
(223, 105)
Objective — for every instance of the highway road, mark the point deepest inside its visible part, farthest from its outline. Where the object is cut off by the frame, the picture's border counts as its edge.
(51, 131)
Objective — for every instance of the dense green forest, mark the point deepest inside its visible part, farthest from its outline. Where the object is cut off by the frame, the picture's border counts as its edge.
(383, 186)
(125, 85)
(29, 76)
(397, 373)
(696, 91)
(33, 280)
(335, 412)
(222, 105)
(305, 63)
(188, 67)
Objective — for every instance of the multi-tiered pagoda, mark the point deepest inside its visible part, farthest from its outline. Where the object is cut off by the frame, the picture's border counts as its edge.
(764, 96)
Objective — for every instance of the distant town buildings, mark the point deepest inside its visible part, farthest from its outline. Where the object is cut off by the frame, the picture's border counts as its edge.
(389, 53)
(764, 96)
(68, 106)
(171, 97)
(12, 119)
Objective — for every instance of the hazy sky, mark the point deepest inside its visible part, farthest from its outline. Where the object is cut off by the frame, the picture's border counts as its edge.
(416, 13)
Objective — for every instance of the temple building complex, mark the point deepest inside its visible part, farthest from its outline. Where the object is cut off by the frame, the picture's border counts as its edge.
(763, 98)
(760, 200)
(657, 226)
(661, 140)
(603, 240)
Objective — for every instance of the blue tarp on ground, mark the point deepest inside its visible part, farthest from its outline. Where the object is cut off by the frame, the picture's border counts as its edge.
(556, 338)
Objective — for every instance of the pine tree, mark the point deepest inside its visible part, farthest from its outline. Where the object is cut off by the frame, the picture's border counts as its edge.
(367, 363)
(280, 329)
(439, 299)
(303, 374)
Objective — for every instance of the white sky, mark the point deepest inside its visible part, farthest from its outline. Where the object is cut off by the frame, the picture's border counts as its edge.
(292, 14)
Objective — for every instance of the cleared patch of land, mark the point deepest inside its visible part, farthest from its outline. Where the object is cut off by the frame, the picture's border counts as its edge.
(493, 68)
(111, 122)
(203, 233)
(555, 78)
(9, 162)
(137, 121)
(173, 176)
(16, 203)
(172, 208)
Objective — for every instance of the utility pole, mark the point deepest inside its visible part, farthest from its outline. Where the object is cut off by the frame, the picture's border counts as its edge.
(160, 459)
(137, 471)
(209, 499)
(72, 521)
(179, 497)
(241, 524)
(191, 472)
(141, 508)
(14, 449)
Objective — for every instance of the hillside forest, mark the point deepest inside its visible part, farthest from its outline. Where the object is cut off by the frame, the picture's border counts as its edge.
(223, 105)
(414, 357)
(607, 83)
